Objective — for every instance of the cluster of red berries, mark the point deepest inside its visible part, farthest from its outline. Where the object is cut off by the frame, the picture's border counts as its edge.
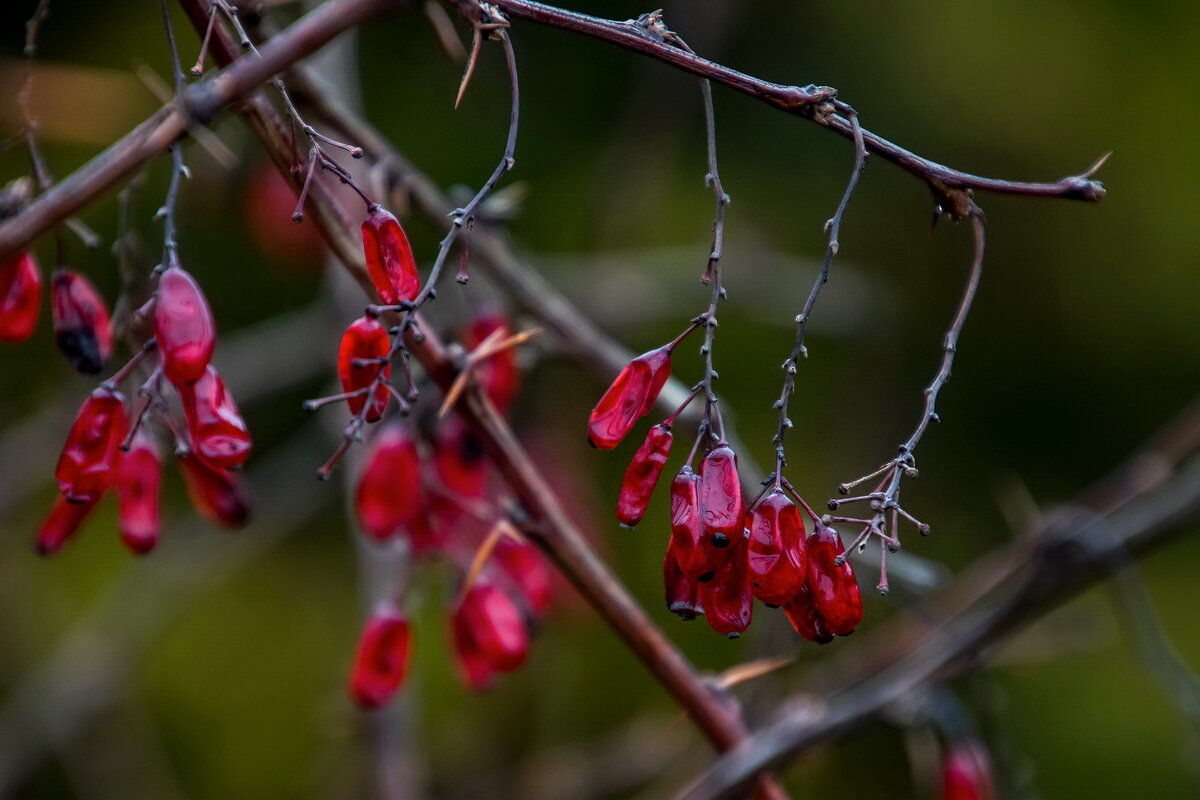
(723, 552)
(110, 447)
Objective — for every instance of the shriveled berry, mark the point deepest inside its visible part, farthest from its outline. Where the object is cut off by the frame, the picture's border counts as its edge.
(776, 549)
(498, 374)
(61, 524)
(20, 296)
(89, 458)
(721, 493)
(728, 598)
(381, 661)
(629, 398)
(183, 326)
(806, 619)
(388, 496)
(389, 256)
(642, 475)
(81, 325)
(682, 590)
(217, 494)
(217, 430)
(489, 635)
(365, 340)
(139, 475)
(835, 593)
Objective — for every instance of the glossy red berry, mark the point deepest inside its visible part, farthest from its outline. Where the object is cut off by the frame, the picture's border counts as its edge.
(630, 397)
(183, 326)
(381, 661)
(217, 495)
(81, 326)
(642, 475)
(682, 590)
(728, 598)
(967, 773)
(89, 458)
(60, 525)
(388, 496)
(498, 374)
(20, 296)
(694, 551)
(721, 496)
(489, 635)
(390, 259)
(835, 593)
(217, 430)
(365, 339)
(139, 475)
(526, 572)
(776, 549)
(806, 619)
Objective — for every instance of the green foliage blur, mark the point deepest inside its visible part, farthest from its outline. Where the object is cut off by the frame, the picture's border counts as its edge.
(215, 667)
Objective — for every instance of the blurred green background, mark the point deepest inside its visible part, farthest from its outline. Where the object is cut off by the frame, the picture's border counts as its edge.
(215, 668)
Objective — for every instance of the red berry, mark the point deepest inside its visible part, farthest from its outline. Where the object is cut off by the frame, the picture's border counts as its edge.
(721, 495)
(630, 397)
(459, 460)
(216, 494)
(776, 549)
(693, 550)
(217, 430)
(728, 598)
(682, 590)
(967, 773)
(835, 593)
(60, 525)
(489, 634)
(527, 573)
(183, 327)
(806, 619)
(642, 475)
(381, 661)
(497, 374)
(20, 294)
(365, 339)
(139, 474)
(89, 457)
(81, 325)
(390, 259)
(388, 497)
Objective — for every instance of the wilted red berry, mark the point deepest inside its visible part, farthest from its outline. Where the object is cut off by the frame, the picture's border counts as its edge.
(806, 619)
(139, 474)
(217, 495)
(81, 326)
(218, 432)
(967, 773)
(776, 549)
(721, 495)
(629, 398)
(60, 525)
(20, 295)
(390, 259)
(682, 590)
(183, 326)
(835, 593)
(388, 497)
(489, 634)
(498, 374)
(693, 550)
(365, 339)
(89, 458)
(381, 661)
(728, 598)
(642, 475)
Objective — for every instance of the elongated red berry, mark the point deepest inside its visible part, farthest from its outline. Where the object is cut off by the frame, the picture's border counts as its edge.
(630, 397)
(60, 525)
(183, 326)
(89, 458)
(967, 772)
(365, 339)
(805, 618)
(20, 296)
(527, 574)
(218, 432)
(721, 495)
(139, 475)
(498, 374)
(81, 326)
(642, 475)
(835, 593)
(458, 459)
(381, 661)
(388, 496)
(489, 635)
(390, 259)
(694, 551)
(728, 598)
(217, 494)
(776, 549)
(682, 590)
